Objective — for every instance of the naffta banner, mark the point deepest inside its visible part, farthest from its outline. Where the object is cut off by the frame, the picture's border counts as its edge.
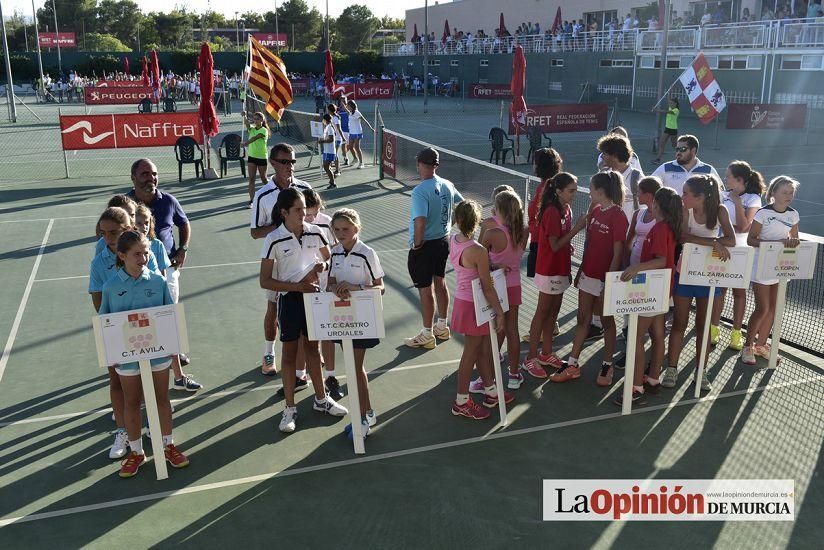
(118, 96)
(127, 130)
(585, 117)
(371, 90)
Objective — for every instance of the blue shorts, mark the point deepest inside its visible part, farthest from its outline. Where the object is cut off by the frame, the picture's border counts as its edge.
(291, 316)
(693, 291)
(337, 143)
(355, 136)
(329, 157)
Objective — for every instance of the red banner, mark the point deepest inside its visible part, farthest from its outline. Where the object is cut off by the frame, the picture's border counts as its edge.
(270, 39)
(585, 117)
(377, 90)
(127, 130)
(766, 116)
(53, 39)
(300, 85)
(118, 95)
(119, 83)
(390, 152)
(490, 91)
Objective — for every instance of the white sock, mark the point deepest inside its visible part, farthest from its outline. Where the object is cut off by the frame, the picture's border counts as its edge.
(427, 331)
(596, 320)
(572, 361)
(320, 400)
(269, 348)
(653, 381)
(491, 391)
(137, 445)
(462, 398)
(300, 373)
(440, 323)
(168, 440)
(639, 389)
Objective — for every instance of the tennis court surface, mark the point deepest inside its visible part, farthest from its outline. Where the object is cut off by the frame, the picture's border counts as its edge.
(428, 479)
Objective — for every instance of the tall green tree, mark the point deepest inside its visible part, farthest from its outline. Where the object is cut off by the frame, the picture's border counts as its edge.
(307, 23)
(96, 42)
(354, 27)
(72, 16)
(120, 19)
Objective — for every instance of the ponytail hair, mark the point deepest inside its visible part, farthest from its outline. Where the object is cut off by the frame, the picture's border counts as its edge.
(286, 199)
(312, 199)
(650, 184)
(126, 241)
(117, 215)
(611, 183)
(753, 180)
(549, 197)
(262, 115)
(710, 188)
(778, 182)
(672, 209)
(548, 162)
(143, 210)
(509, 207)
(467, 217)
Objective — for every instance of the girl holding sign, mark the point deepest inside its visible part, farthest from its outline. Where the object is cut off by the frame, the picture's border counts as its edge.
(553, 268)
(742, 200)
(657, 252)
(471, 261)
(606, 233)
(292, 257)
(776, 222)
(704, 219)
(355, 266)
(134, 286)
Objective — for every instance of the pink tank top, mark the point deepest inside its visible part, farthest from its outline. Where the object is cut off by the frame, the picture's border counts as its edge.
(463, 275)
(509, 256)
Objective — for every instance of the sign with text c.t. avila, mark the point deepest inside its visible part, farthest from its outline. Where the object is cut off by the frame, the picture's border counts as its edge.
(701, 265)
(141, 334)
(483, 311)
(127, 130)
(330, 318)
(646, 293)
(775, 261)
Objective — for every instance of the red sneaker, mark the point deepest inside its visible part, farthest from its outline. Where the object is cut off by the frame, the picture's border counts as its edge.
(534, 369)
(605, 375)
(175, 457)
(491, 401)
(129, 467)
(568, 372)
(470, 409)
(550, 360)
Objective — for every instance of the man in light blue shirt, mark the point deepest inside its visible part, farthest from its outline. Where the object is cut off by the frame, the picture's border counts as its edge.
(433, 202)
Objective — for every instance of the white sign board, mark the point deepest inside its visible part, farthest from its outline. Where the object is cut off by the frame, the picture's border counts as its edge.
(648, 292)
(777, 262)
(330, 318)
(701, 265)
(483, 311)
(141, 334)
(316, 129)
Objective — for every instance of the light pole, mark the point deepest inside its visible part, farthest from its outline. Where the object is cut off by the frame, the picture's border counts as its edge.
(237, 32)
(426, 55)
(665, 37)
(277, 29)
(57, 41)
(39, 55)
(9, 81)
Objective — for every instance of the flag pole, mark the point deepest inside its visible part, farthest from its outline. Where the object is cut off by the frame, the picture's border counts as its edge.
(665, 38)
(666, 93)
(246, 83)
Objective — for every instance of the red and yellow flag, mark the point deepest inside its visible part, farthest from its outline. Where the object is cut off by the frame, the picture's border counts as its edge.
(268, 80)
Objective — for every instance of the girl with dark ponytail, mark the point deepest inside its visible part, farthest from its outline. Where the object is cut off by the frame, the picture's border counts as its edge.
(708, 224)
(742, 200)
(547, 163)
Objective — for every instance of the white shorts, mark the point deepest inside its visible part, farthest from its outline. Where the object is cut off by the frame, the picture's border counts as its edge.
(590, 285)
(552, 284)
(173, 282)
(133, 369)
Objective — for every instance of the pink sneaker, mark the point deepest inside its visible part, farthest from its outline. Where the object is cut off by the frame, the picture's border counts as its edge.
(533, 368)
(477, 385)
(550, 360)
(567, 373)
(470, 409)
(491, 401)
(764, 351)
(605, 376)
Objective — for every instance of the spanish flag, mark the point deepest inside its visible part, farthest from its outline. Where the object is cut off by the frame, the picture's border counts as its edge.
(268, 80)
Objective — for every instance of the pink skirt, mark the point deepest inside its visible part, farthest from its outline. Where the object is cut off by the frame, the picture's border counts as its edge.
(514, 295)
(463, 319)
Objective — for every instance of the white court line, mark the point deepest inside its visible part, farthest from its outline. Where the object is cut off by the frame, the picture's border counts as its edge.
(207, 395)
(388, 455)
(187, 268)
(49, 219)
(15, 326)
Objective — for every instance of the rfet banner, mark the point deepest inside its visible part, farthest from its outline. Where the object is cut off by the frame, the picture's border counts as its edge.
(54, 39)
(127, 130)
(119, 84)
(375, 90)
(490, 91)
(270, 39)
(118, 95)
(766, 116)
(585, 117)
(390, 152)
(300, 85)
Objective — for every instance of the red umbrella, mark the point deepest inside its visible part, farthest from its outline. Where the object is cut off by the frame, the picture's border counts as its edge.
(446, 32)
(556, 24)
(144, 74)
(329, 73)
(125, 64)
(155, 75)
(415, 36)
(501, 26)
(208, 115)
(517, 112)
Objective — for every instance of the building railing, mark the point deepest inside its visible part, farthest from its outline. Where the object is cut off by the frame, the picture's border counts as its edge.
(796, 33)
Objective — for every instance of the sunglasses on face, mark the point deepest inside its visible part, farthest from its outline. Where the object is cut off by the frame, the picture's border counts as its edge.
(682, 149)
(286, 161)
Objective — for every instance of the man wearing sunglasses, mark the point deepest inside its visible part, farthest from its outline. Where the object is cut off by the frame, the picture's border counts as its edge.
(264, 221)
(686, 164)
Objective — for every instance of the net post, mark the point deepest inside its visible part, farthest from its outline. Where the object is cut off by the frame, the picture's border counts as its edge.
(380, 148)
(526, 191)
(375, 134)
(65, 156)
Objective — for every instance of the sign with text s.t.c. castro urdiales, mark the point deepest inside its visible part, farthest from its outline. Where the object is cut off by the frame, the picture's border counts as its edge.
(701, 265)
(483, 311)
(140, 334)
(646, 293)
(330, 318)
(775, 261)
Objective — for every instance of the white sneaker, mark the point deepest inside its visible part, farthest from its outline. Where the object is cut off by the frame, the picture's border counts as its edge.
(288, 420)
(330, 407)
(371, 418)
(421, 341)
(476, 386)
(121, 443)
(670, 377)
(361, 166)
